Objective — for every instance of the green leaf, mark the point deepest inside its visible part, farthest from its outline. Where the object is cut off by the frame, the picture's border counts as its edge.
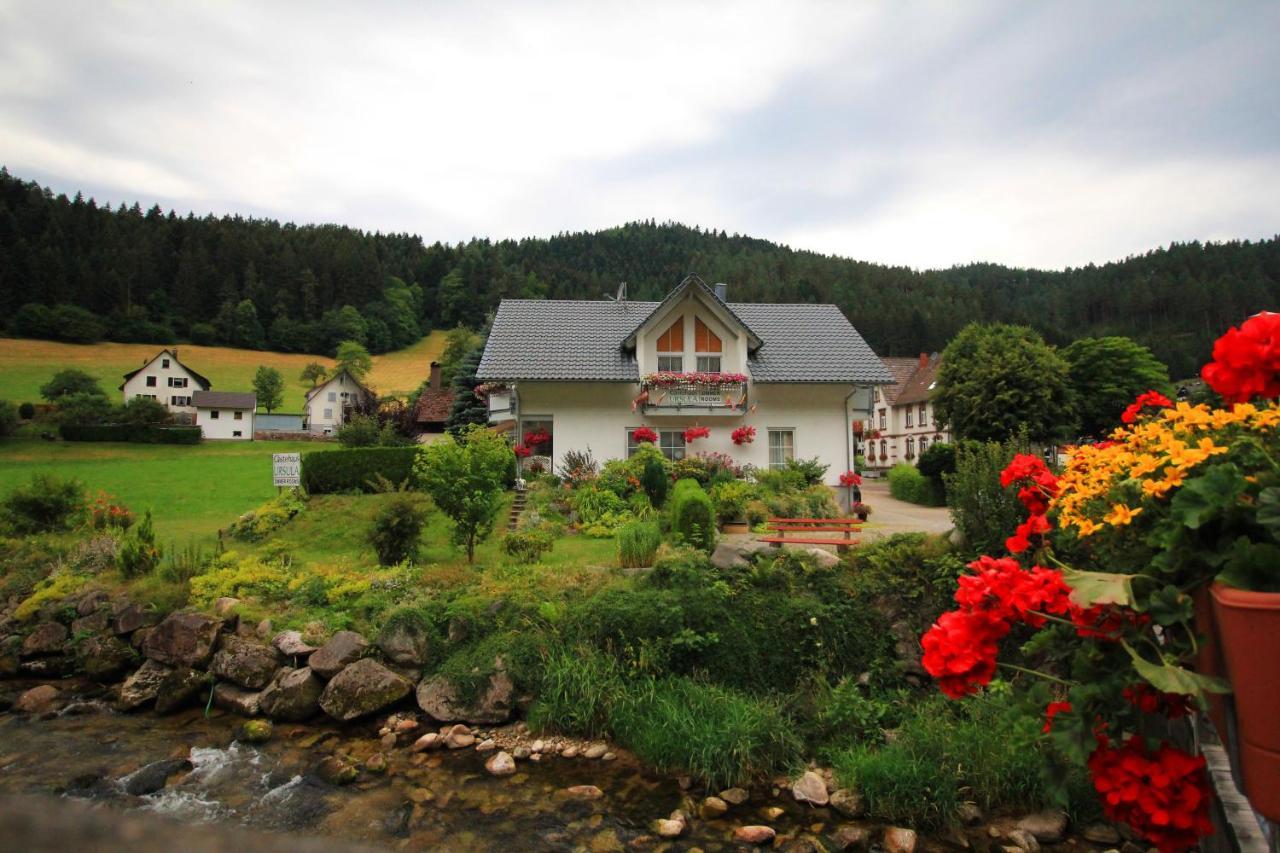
(1208, 495)
(1269, 510)
(1252, 565)
(1168, 678)
(1169, 606)
(1090, 588)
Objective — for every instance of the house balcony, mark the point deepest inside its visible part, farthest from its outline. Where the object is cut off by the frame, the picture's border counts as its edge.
(694, 398)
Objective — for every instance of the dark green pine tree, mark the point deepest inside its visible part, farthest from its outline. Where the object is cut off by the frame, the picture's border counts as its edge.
(467, 407)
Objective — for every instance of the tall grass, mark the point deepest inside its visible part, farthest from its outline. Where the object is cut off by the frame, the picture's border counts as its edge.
(638, 542)
(579, 686)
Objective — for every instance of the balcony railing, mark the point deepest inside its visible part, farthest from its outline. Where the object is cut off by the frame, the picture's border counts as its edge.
(703, 398)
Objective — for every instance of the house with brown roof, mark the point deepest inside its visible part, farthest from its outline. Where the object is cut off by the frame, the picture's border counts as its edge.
(903, 424)
(435, 403)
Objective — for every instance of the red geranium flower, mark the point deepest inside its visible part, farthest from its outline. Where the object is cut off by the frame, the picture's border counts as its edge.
(960, 650)
(695, 433)
(1246, 361)
(743, 435)
(1153, 399)
(849, 478)
(1164, 795)
(522, 450)
(1148, 700)
(1052, 710)
(644, 434)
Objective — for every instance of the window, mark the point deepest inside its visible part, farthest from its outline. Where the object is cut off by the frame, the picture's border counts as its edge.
(882, 419)
(705, 340)
(908, 417)
(911, 448)
(782, 447)
(328, 414)
(333, 396)
(875, 394)
(670, 442)
(924, 443)
(238, 416)
(237, 434)
(213, 414)
(164, 362)
(671, 363)
(924, 414)
(884, 450)
(177, 382)
(151, 382)
(708, 364)
(672, 341)
(178, 401)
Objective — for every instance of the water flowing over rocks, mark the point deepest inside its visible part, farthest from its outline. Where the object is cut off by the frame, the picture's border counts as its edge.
(293, 695)
(362, 688)
(183, 639)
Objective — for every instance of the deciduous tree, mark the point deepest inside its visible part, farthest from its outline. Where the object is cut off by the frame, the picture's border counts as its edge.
(354, 358)
(1106, 375)
(268, 383)
(464, 476)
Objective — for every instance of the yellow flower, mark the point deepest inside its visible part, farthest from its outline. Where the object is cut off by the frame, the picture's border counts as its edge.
(1146, 464)
(1085, 527)
(1121, 515)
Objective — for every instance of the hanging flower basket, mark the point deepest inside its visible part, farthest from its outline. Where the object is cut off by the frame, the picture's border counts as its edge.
(522, 451)
(537, 437)
(695, 433)
(743, 435)
(644, 435)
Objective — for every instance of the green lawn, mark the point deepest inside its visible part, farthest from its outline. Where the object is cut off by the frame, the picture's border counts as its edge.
(192, 491)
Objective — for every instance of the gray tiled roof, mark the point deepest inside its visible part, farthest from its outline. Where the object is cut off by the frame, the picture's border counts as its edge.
(583, 340)
(224, 400)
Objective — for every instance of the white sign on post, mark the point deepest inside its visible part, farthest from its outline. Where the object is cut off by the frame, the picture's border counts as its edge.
(286, 469)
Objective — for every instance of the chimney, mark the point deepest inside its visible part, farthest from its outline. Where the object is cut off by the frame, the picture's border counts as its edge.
(721, 290)
(435, 376)
(924, 360)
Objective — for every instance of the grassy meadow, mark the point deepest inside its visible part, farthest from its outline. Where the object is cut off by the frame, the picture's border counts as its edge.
(192, 491)
(25, 365)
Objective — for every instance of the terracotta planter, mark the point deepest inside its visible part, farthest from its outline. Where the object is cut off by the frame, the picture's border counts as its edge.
(735, 527)
(1248, 626)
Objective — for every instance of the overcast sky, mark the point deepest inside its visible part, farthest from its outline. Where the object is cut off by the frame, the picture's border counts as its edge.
(1028, 133)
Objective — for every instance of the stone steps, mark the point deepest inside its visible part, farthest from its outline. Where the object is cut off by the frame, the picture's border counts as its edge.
(517, 508)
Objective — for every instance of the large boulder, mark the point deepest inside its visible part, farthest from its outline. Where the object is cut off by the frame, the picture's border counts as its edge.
(438, 697)
(141, 687)
(405, 642)
(95, 623)
(105, 658)
(824, 559)
(294, 695)
(811, 788)
(152, 777)
(343, 648)
(180, 688)
(229, 697)
(37, 700)
(48, 638)
(247, 664)
(740, 554)
(184, 639)
(362, 688)
(291, 645)
(128, 616)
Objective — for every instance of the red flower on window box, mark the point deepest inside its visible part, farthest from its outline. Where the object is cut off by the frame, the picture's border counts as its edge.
(849, 478)
(695, 433)
(644, 434)
(522, 451)
(743, 435)
(537, 437)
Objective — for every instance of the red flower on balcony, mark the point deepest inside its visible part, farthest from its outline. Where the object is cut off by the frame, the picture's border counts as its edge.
(743, 435)
(667, 379)
(849, 478)
(695, 433)
(644, 434)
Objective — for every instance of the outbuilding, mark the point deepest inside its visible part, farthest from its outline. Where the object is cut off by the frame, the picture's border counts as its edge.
(225, 414)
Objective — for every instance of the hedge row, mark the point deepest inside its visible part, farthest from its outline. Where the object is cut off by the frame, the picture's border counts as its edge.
(355, 469)
(908, 484)
(135, 433)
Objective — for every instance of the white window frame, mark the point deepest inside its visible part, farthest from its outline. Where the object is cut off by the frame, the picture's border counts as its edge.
(239, 415)
(671, 363)
(333, 396)
(671, 443)
(770, 432)
(706, 360)
(924, 414)
(882, 419)
(909, 423)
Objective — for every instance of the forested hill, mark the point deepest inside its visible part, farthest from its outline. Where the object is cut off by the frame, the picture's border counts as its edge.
(151, 275)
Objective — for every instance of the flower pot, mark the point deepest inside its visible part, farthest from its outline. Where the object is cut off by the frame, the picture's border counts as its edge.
(1249, 632)
(1209, 656)
(735, 527)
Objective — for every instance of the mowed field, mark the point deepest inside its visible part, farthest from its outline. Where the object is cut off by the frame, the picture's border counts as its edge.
(25, 365)
(192, 491)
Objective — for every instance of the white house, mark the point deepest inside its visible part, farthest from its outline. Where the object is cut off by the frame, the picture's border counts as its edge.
(225, 414)
(902, 423)
(162, 377)
(590, 373)
(333, 401)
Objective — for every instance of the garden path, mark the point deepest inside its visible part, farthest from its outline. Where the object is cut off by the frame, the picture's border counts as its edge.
(890, 515)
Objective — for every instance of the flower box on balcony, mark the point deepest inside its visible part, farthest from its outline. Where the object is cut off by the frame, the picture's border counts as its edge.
(710, 393)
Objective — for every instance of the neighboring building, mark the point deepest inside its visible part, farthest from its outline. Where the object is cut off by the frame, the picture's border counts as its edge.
(225, 414)
(581, 370)
(278, 422)
(333, 401)
(162, 377)
(902, 423)
(433, 407)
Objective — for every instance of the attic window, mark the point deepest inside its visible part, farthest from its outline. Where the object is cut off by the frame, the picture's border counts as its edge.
(705, 340)
(672, 340)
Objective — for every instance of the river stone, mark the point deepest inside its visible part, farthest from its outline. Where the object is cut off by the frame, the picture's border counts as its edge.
(810, 788)
(584, 792)
(141, 687)
(343, 648)
(127, 617)
(431, 740)
(152, 777)
(336, 771)
(1020, 839)
(1101, 833)
(184, 639)
(596, 750)
(754, 834)
(405, 643)
(899, 839)
(94, 623)
(501, 764)
(970, 814)
(735, 796)
(292, 695)
(437, 697)
(105, 658)
(47, 639)
(1048, 826)
(37, 700)
(247, 664)
(712, 808)
(179, 688)
(669, 828)
(848, 802)
(291, 645)
(459, 737)
(256, 731)
(852, 838)
(231, 697)
(362, 688)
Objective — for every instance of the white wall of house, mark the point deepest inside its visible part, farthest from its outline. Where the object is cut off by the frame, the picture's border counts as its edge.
(231, 424)
(597, 415)
(324, 406)
(895, 432)
(158, 380)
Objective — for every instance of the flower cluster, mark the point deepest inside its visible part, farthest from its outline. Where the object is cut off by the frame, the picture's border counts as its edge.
(1246, 361)
(106, 513)
(850, 478)
(743, 435)
(1036, 487)
(668, 379)
(1164, 794)
(644, 434)
(696, 432)
(1152, 399)
(537, 437)
(522, 451)
(1148, 700)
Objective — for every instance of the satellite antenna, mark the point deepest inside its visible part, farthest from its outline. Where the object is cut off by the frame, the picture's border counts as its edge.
(622, 293)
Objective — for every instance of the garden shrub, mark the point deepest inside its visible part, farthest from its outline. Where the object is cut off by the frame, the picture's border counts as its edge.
(27, 411)
(819, 502)
(260, 523)
(780, 481)
(397, 527)
(638, 542)
(654, 479)
(692, 516)
(937, 461)
(138, 554)
(230, 577)
(811, 471)
(105, 513)
(757, 512)
(591, 503)
(134, 433)
(912, 574)
(360, 431)
(53, 588)
(45, 503)
(906, 483)
(9, 418)
(527, 545)
(731, 499)
(983, 511)
(355, 469)
(513, 651)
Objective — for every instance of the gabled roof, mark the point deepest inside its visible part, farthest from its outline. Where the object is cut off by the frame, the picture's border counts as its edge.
(587, 340)
(224, 400)
(902, 369)
(173, 354)
(316, 390)
(433, 406)
(921, 384)
(694, 282)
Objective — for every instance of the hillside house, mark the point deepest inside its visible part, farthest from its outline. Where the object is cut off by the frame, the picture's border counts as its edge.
(585, 375)
(331, 403)
(163, 377)
(225, 414)
(902, 423)
(435, 403)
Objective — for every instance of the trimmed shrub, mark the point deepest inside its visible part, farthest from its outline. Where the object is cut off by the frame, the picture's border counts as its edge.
(133, 433)
(45, 503)
(360, 431)
(810, 470)
(653, 479)
(692, 516)
(27, 411)
(638, 542)
(906, 483)
(983, 511)
(397, 526)
(356, 469)
(527, 546)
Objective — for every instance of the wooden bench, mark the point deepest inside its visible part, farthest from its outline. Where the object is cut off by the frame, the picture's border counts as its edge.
(799, 527)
